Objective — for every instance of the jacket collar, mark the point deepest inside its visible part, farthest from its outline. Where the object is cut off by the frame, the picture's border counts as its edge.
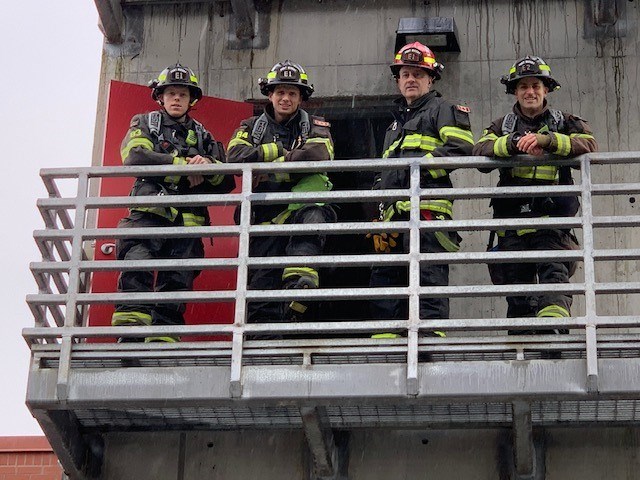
(268, 111)
(538, 118)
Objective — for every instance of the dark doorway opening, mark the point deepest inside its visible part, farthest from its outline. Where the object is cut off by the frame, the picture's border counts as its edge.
(358, 129)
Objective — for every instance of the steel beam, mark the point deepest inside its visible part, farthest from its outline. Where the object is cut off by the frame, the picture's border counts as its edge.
(320, 441)
(523, 448)
(111, 20)
(81, 458)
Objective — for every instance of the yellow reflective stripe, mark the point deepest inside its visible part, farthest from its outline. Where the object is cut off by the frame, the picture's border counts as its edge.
(524, 231)
(582, 135)
(280, 218)
(130, 318)
(135, 142)
(384, 336)
(440, 206)
(238, 141)
(554, 311)
(175, 179)
(445, 241)
(435, 172)
(326, 142)
(448, 132)
(289, 272)
(391, 148)
(500, 147)
(269, 151)
(162, 339)
(191, 220)
(280, 177)
(544, 67)
(564, 144)
(191, 139)
(548, 173)
(486, 136)
(169, 213)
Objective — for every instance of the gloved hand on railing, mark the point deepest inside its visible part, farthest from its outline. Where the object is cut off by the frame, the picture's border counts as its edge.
(384, 242)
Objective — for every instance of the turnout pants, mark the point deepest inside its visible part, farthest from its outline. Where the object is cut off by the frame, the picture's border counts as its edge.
(548, 305)
(394, 276)
(149, 281)
(278, 246)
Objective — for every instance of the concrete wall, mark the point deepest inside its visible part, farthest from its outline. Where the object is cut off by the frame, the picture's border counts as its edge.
(588, 454)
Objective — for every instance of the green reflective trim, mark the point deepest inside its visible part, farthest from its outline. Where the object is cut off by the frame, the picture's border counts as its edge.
(191, 220)
(312, 273)
(193, 79)
(500, 147)
(271, 75)
(445, 241)
(487, 136)
(119, 319)
(564, 144)
(215, 180)
(135, 142)
(549, 173)
(162, 339)
(383, 336)
(582, 135)
(303, 76)
(237, 141)
(326, 142)
(269, 151)
(448, 132)
(170, 213)
(441, 206)
(555, 311)
(542, 66)
(391, 148)
(192, 138)
(162, 77)
(280, 218)
(512, 70)
(439, 333)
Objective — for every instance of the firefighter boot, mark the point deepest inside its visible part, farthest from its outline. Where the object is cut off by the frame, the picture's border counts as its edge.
(296, 311)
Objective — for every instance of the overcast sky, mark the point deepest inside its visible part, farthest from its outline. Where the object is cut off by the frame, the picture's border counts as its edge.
(49, 82)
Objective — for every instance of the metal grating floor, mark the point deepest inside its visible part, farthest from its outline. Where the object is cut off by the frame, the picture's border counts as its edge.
(547, 413)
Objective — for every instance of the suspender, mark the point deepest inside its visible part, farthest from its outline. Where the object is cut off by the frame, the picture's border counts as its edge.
(260, 127)
(509, 122)
(155, 127)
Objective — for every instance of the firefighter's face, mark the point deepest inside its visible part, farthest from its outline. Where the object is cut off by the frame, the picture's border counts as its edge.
(413, 83)
(286, 100)
(530, 93)
(175, 99)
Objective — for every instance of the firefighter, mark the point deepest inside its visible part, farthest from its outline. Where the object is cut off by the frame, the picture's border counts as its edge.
(535, 129)
(425, 125)
(168, 136)
(284, 132)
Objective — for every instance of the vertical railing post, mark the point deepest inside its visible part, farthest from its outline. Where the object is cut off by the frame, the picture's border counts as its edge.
(589, 275)
(414, 279)
(71, 305)
(235, 387)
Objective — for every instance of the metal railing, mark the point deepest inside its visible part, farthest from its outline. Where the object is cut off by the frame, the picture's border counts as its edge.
(64, 275)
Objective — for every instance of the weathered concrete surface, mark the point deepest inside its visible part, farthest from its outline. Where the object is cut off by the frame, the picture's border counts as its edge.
(589, 454)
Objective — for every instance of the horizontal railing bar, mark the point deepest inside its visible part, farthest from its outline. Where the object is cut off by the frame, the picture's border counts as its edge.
(346, 327)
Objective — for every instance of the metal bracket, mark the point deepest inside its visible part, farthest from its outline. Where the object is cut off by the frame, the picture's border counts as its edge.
(521, 452)
(605, 18)
(81, 457)
(327, 457)
(249, 24)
